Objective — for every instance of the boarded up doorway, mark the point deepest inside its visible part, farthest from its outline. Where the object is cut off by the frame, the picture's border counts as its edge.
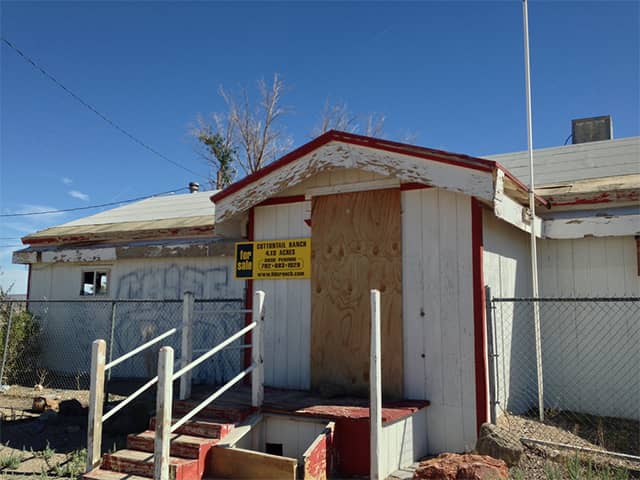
(356, 246)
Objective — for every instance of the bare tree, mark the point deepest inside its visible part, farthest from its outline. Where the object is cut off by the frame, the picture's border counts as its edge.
(337, 116)
(246, 136)
(374, 125)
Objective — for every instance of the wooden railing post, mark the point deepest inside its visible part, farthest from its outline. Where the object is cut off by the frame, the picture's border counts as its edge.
(96, 403)
(375, 386)
(187, 343)
(164, 399)
(257, 350)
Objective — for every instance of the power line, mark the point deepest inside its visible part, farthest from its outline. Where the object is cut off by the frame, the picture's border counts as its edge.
(91, 206)
(95, 110)
(10, 246)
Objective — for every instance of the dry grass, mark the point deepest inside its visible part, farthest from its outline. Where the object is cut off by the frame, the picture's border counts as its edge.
(578, 429)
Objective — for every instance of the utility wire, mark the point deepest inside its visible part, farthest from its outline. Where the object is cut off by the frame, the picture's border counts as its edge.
(91, 206)
(95, 110)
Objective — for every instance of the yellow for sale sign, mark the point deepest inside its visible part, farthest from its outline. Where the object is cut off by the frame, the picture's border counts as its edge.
(274, 259)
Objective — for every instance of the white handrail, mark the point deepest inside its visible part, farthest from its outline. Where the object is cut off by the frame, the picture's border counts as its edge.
(129, 399)
(140, 348)
(214, 350)
(165, 382)
(212, 397)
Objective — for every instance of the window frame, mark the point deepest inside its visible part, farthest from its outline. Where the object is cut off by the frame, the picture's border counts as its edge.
(95, 271)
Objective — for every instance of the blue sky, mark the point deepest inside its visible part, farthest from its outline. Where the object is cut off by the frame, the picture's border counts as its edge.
(449, 72)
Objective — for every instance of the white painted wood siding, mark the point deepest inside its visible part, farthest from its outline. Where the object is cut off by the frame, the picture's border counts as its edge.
(507, 271)
(296, 434)
(589, 267)
(437, 290)
(156, 278)
(597, 344)
(588, 350)
(287, 303)
(404, 442)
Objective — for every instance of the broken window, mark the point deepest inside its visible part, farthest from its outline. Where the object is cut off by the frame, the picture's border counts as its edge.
(95, 283)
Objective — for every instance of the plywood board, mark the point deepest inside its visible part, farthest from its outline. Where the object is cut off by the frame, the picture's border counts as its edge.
(356, 246)
(247, 464)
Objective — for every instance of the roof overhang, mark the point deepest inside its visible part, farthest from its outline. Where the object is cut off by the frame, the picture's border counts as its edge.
(149, 229)
(408, 163)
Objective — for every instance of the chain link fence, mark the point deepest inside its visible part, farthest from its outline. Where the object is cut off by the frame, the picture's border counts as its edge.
(590, 368)
(49, 342)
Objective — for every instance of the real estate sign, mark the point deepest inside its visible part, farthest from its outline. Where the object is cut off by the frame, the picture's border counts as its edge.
(288, 259)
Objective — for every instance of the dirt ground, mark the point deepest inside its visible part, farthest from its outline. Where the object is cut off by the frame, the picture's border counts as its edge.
(600, 433)
(541, 463)
(52, 445)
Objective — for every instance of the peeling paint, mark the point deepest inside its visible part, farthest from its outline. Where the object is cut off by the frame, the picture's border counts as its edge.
(336, 155)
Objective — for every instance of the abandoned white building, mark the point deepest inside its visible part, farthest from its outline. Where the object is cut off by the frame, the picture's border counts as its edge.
(429, 229)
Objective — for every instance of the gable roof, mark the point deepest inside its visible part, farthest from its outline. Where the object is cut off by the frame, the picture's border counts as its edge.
(409, 163)
(156, 217)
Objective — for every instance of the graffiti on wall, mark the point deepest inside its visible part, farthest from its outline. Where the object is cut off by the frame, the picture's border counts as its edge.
(170, 282)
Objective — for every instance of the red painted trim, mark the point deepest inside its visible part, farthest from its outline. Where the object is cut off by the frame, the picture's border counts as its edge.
(521, 185)
(413, 186)
(248, 301)
(603, 197)
(353, 139)
(281, 162)
(282, 200)
(479, 323)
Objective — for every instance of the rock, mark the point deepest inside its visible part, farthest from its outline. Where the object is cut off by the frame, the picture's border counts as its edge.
(38, 388)
(499, 443)
(452, 466)
(42, 404)
(72, 408)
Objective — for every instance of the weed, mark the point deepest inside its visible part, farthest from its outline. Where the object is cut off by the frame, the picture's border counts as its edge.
(516, 474)
(574, 468)
(10, 461)
(552, 471)
(73, 466)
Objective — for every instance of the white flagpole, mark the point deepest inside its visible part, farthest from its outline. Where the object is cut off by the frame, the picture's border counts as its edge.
(532, 209)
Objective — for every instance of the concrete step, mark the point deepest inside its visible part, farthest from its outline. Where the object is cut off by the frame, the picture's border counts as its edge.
(199, 428)
(183, 446)
(101, 474)
(219, 413)
(135, 462)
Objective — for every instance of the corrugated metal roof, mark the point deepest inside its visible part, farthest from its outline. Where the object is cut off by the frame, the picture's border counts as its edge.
(155, 208)
(191, 212)
(582, 161)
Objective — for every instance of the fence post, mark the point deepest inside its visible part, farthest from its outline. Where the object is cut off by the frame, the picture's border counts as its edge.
(493, 356)
(375, 386)
(187, 343)
(164, 398)
(257, 351)
(96, 403)
(538, 340)
(6, 343)
(112, 335)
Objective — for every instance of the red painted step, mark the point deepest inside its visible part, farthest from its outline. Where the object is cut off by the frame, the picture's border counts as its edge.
(141, 463)
(184, 446)
(199, 428)
(101, 474)
(217, 412)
